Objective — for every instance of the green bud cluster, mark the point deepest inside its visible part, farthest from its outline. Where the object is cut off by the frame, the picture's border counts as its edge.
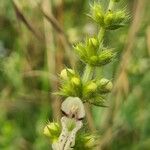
(71, 84)
(92, 91)
(110, 20)
(52, 130)
(91, 53)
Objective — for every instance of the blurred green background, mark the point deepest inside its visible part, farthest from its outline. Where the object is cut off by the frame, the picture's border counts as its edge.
(33, 50)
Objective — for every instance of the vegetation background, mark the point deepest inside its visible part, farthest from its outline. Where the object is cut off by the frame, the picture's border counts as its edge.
(35, 44)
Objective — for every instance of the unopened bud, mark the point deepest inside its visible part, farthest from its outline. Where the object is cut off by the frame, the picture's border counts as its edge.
(109, 18)
(98, 14)
(120, 16)
(64, 74)
(75, 81)
(105, 57)
(105, 85)
(115, 20)
(90, 141)
(94, 60)
(80, 49)
(91, 87)
(93, 42)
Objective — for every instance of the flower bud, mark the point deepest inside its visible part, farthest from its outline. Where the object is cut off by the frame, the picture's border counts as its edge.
(75, 81)
(93, 60)
(52, 130)
(98, 14)
(120, 16)
(91, 47)
(105, 85)
(80, 49)
(115, 20)
(90, 141)
(93, 42)
(105, 57)
(87, 51)
(64, 74)
(91, 87)
(109, 18)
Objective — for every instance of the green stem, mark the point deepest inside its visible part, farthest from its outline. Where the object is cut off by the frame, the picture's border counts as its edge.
(101, 35)
(87, 75)
(111, 5)
(102, 30)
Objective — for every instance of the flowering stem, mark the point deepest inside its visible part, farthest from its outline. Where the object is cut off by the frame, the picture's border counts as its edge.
(87, 75)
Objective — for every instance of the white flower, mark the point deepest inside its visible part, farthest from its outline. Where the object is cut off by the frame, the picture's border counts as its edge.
(73, 107)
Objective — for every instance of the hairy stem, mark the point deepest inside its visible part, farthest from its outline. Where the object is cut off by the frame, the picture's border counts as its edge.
(101, 34)
(87, 75)
(111, 5)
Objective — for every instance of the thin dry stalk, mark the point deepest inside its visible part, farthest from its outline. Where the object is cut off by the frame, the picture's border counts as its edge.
(89, 118)
(59, 48)
(62, 35)
(28, 23)
(148, 39)
(38, 73)
(51, 55)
